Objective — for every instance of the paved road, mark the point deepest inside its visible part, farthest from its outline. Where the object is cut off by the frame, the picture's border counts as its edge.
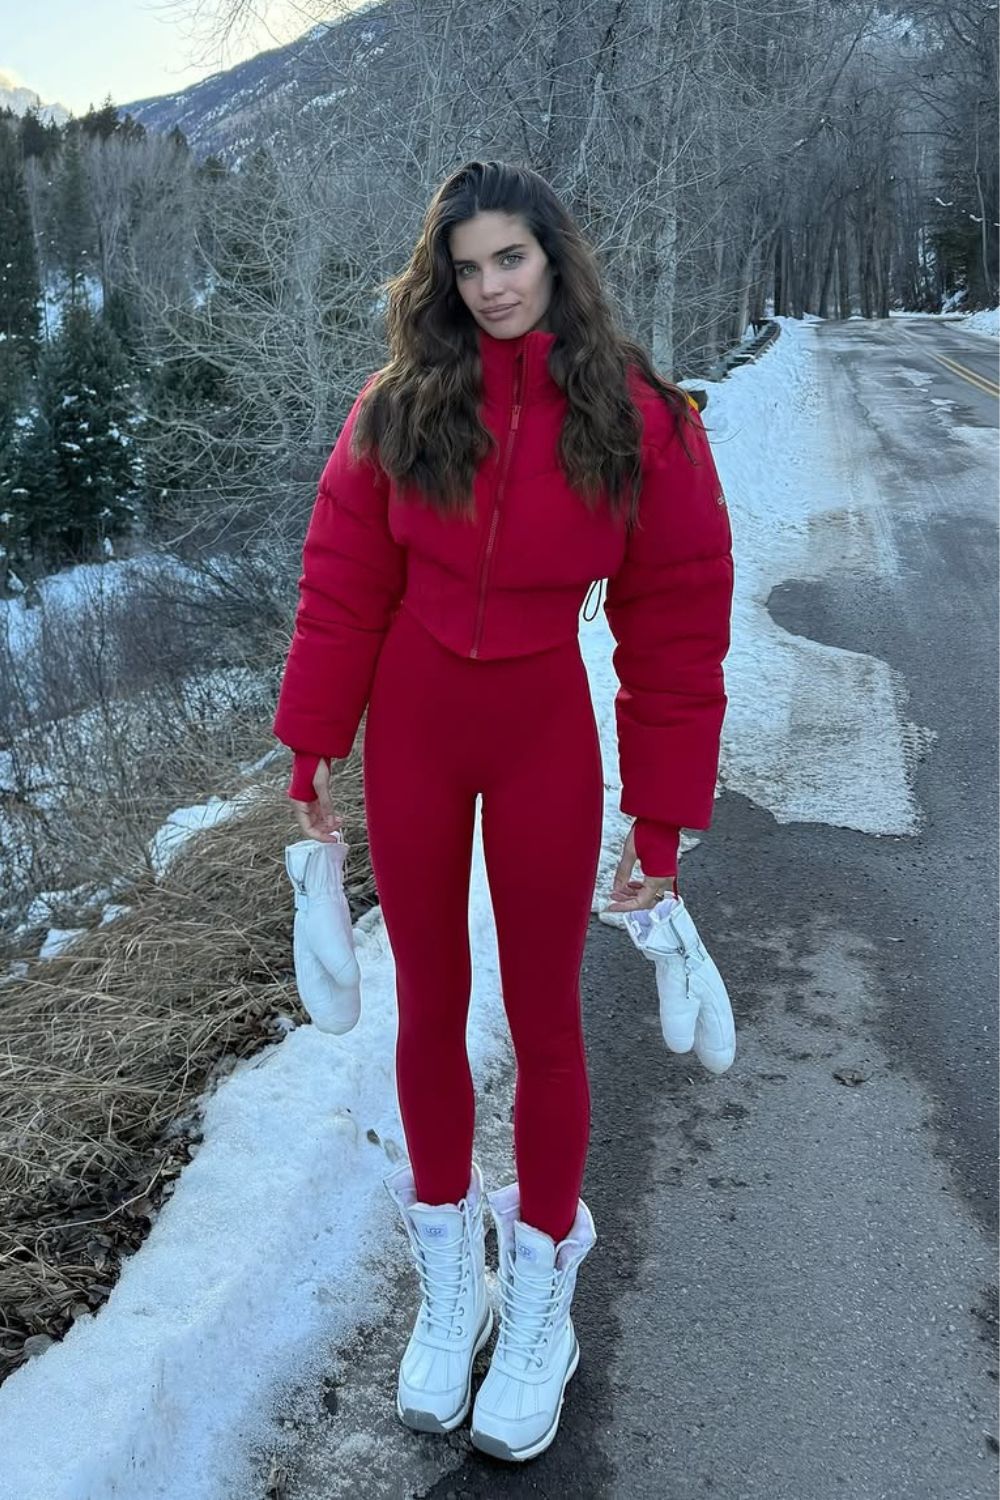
(793, 1296)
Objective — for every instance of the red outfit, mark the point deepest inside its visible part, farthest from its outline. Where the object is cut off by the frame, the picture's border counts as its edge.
(513, 583)
(520, 732)
(462, 639)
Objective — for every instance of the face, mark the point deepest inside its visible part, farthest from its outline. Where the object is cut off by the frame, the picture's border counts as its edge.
(499, 263)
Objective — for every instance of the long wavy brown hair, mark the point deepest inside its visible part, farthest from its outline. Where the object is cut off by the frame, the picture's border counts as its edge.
(420, 414)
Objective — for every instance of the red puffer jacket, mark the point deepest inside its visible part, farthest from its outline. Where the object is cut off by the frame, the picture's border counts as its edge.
(514, 582)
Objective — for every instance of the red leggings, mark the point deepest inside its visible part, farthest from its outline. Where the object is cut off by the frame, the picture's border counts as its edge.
(521, 732)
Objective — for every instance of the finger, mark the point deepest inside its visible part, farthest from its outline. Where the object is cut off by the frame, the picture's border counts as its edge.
(325, 811)
(312, 823)
(639, 897)
(325, 826)
(623, 900)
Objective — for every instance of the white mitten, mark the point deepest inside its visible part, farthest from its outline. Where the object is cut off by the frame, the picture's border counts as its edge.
(326, 966)
(694, 1005)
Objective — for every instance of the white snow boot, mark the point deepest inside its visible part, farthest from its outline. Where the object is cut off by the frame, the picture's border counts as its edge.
(694, 1003)
(518, 1404)
(455, 1319)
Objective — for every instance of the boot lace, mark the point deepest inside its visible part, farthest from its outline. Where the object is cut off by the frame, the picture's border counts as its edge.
(441, 1292)
(524, 1298)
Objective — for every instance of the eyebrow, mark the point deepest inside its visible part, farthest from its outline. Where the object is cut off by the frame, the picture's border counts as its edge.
(518, 246)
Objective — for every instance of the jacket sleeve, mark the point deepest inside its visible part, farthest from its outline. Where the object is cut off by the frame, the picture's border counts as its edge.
(669, 606)
(353, 576)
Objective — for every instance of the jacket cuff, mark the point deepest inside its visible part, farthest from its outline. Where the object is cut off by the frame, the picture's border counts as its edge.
(303, 770)
(656, 846)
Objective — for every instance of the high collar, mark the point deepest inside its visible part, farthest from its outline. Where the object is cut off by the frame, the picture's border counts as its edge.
(500, 359)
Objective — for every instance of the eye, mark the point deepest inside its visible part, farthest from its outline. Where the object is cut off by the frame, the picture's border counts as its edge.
(511, 255)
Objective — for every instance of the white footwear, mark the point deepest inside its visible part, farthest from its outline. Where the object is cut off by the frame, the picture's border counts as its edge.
(518, 1404)
(455, 1318)
(327, 974)
(694, 1004)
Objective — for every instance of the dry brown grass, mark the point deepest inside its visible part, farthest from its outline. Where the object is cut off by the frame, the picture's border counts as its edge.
(105, 1051)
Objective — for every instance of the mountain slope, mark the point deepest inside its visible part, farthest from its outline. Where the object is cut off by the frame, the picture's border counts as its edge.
(19, 98)
(227, 114)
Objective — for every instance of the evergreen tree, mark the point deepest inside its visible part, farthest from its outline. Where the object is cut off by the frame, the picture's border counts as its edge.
(120, 316)
(73, 227)
(38, 138)
(252, 245)
(11, 508)
(956, 231)
(102, 122)
(32, 528)
(190, 448)
(212, 170)
(131, 130)
(78, 472)
(19, 292)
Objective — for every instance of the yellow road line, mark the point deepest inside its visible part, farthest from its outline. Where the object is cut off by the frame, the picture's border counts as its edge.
(981, 382)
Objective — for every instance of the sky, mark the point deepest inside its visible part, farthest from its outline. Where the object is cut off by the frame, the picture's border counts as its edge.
(75, 54)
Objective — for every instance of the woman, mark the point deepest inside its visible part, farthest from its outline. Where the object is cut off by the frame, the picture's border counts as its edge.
(516, 448)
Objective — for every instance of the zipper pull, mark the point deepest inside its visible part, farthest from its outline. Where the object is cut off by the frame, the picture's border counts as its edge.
(518, 389)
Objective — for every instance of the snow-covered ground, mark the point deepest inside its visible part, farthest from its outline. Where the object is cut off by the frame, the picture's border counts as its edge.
(987, 321)
(88, 591)
(259, 1258)
(72, 589)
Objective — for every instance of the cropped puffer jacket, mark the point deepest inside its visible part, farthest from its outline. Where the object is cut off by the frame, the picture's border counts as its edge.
(513, 582)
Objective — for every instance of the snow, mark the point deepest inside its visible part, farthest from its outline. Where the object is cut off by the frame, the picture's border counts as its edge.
(44, 905)
(112, 911)
(208, 696)
(18, 98)
(184, 822)
(320, 101)
(73, 587)
(57, 939)
(813, 733)
(987, 321)
(261, 1257)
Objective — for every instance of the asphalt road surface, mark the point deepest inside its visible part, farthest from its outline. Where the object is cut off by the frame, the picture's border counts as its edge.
(793, 1294)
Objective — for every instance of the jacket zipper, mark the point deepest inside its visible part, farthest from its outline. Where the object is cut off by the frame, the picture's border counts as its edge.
(494, 519)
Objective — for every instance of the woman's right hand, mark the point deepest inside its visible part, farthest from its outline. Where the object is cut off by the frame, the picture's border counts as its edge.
(317, 818)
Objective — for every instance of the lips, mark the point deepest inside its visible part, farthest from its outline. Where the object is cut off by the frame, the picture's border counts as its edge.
(491, 312)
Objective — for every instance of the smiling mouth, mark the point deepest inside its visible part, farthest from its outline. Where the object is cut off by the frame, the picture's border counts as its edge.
(491, 312)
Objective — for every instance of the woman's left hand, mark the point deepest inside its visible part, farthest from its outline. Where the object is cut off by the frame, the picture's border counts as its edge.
(633, 895)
